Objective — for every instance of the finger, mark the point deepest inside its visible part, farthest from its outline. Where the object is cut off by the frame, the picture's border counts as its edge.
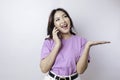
(104, 42)
(55, 29)
(56, 32)
(108, 42)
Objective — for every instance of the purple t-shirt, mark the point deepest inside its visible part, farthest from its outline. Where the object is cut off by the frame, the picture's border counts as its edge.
(68, 56)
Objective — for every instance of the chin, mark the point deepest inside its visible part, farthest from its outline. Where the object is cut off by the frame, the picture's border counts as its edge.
(65, 32)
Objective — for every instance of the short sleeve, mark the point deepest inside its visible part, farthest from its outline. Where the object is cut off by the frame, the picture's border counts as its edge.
(45, 49)
(83, 43)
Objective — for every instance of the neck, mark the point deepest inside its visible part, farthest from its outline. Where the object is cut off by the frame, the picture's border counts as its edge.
(66, 36)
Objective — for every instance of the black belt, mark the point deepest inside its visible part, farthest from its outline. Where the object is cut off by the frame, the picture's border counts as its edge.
(65, 78)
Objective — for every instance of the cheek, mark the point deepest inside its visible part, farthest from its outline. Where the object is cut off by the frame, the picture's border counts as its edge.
(56, 24)
(69, 22)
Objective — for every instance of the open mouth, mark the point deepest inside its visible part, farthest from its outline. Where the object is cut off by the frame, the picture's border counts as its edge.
(64, 26)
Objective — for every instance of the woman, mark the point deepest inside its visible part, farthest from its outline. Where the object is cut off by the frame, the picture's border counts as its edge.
(64, 54)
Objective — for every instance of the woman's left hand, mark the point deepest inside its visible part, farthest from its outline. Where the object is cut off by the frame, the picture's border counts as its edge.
(92, 43)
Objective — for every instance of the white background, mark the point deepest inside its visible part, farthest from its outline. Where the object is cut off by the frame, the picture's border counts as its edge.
(23, 25)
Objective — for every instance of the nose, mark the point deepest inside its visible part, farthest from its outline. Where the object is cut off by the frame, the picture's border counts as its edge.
(62, 20)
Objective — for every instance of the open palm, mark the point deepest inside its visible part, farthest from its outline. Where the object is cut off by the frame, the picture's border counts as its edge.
(92, 43)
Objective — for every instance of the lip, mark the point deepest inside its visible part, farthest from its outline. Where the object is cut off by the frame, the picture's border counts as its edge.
(64, 26)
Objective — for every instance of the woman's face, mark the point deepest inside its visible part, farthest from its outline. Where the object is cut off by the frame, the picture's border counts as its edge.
(62, 22)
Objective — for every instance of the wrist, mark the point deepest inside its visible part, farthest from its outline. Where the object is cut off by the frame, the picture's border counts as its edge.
(57, 45)
(88, 45)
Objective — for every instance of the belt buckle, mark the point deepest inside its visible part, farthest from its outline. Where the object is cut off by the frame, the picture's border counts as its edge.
(63, 78)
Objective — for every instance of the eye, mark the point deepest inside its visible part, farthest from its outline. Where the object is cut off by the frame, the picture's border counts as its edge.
(65, 16)
(57, 19)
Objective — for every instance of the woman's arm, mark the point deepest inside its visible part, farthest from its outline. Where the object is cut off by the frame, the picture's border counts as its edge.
(47, 62)
(83, 61)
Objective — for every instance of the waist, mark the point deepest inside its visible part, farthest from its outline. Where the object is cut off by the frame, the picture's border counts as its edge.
(58, 77)
(63, 71)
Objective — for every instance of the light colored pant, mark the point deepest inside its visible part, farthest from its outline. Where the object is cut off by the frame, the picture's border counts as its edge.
(47, 77)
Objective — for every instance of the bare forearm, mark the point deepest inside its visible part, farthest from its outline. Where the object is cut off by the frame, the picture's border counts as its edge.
(83, 61)
(47, 62)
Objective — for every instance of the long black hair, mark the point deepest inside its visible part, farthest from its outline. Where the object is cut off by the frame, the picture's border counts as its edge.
(51, 22)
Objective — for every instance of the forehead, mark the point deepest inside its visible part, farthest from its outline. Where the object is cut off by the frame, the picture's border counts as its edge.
(59, 13)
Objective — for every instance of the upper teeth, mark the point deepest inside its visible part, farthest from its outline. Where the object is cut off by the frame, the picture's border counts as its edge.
(64, 25)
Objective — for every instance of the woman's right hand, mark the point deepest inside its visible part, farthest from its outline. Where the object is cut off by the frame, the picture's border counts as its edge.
(47, 63)
(55, 36)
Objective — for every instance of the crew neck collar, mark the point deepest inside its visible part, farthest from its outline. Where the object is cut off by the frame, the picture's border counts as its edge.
(68, 38)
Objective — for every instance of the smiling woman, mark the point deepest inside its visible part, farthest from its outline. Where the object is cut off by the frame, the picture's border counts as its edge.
(59, 18)
(62, 22)
(64, 54)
